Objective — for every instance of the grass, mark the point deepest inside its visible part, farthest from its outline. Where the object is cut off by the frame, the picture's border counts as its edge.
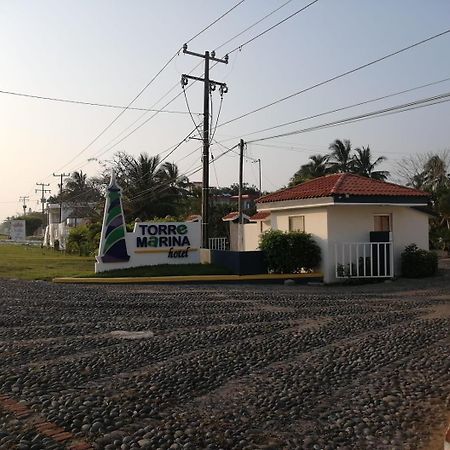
(35, 263)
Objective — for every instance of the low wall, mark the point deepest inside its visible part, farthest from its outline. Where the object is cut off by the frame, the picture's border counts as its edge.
(240, 263)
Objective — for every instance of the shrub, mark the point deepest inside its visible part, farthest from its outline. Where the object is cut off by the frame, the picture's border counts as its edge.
(77, 240)
(417, 263)
(289, 252)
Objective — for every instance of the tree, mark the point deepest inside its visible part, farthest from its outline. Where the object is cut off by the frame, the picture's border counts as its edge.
(317, 167)
(341, 159)
(364, 166)
(427, 171)
(150, 189)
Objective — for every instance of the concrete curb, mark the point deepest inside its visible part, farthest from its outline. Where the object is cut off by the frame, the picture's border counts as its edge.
(192, 279)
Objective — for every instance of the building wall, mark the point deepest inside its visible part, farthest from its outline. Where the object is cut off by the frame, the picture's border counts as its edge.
(349, 223)
(316, 223)
(251, 236)
(354, 223)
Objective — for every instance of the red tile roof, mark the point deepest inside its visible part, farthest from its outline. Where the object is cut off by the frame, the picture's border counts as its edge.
(231, 216)
(342, 184)
(260, 215)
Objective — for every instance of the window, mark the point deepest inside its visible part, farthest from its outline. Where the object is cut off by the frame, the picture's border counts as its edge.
(297, 223)
(382, 222)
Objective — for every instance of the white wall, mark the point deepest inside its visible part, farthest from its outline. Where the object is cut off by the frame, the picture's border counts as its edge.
(316, 223)
(251, 236)
(348, 223)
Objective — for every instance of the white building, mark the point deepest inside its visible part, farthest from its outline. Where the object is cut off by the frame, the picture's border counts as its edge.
(341, 211)
(60, 222)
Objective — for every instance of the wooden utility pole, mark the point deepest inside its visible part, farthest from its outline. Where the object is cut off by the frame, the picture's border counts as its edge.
(209, 85)
(24, 199)
(61, 175)
(241, 178)
(43, 191)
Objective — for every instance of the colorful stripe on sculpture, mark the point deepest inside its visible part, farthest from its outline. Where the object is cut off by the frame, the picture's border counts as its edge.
(113, 245)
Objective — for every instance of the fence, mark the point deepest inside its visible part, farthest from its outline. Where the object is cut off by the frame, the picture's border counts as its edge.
(364, 260)
(218, 243)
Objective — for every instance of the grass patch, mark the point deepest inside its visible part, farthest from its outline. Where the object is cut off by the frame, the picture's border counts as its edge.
(35, 263)
(166, 270)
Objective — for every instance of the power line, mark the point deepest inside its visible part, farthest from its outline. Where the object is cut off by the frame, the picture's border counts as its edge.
(442, 98)
(80, 102)
(239, 47)
(364, 102)
(344, 74)
(175, 86)
(149, 83)
(253, 25)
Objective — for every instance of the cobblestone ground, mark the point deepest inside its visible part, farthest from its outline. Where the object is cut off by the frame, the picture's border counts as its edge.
(225, 367)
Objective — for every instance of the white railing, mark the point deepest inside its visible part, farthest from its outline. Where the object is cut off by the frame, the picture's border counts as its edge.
(220, 243)
(364, 260)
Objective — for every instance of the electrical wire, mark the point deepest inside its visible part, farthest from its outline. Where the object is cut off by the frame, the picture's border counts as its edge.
(189, 111)
(80, 102)
(336, 77)
(220, 46)
(148, 84)
(240, 47)
(343, 108)
(156, 189)
(421, 103)
(253, 25)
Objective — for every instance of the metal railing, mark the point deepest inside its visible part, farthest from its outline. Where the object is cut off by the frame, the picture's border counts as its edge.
(218, 243)
(364, 260)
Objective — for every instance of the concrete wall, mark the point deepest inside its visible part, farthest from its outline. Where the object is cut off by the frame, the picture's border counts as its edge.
(316, 223)
(251, 236)
(348, 223)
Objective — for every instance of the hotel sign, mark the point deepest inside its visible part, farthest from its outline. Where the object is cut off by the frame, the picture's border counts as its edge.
(149, 244)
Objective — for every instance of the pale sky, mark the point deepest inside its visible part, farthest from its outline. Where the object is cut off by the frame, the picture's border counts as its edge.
(106, 51)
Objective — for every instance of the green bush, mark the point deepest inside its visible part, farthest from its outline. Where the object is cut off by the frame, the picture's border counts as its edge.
(289, 252)
(78, 240)
(418, 263)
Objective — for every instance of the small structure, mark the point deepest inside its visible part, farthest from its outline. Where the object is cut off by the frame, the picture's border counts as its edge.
(361, 225)
(149, 243)
(60, 221)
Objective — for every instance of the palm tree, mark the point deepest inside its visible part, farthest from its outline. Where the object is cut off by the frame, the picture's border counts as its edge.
(341, 159)
(363, 164)
(435, 177)
(151, 189)
(318, 166)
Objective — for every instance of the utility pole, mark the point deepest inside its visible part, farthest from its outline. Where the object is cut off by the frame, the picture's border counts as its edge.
(241, 177)
(61, 176)
(260, 185)
(43, 191)
(24, 199)
(209, 85)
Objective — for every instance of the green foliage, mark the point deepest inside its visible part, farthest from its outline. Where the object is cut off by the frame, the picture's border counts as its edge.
(77, 240)
(289, 252)
(418, 263)
(341, 159)
(84, 239)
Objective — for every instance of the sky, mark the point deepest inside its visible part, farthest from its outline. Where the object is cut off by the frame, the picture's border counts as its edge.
(106, 51)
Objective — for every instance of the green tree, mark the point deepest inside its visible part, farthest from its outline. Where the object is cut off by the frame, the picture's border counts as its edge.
(150, 189)
(364, 165)
(318, 166)
(341, 158)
